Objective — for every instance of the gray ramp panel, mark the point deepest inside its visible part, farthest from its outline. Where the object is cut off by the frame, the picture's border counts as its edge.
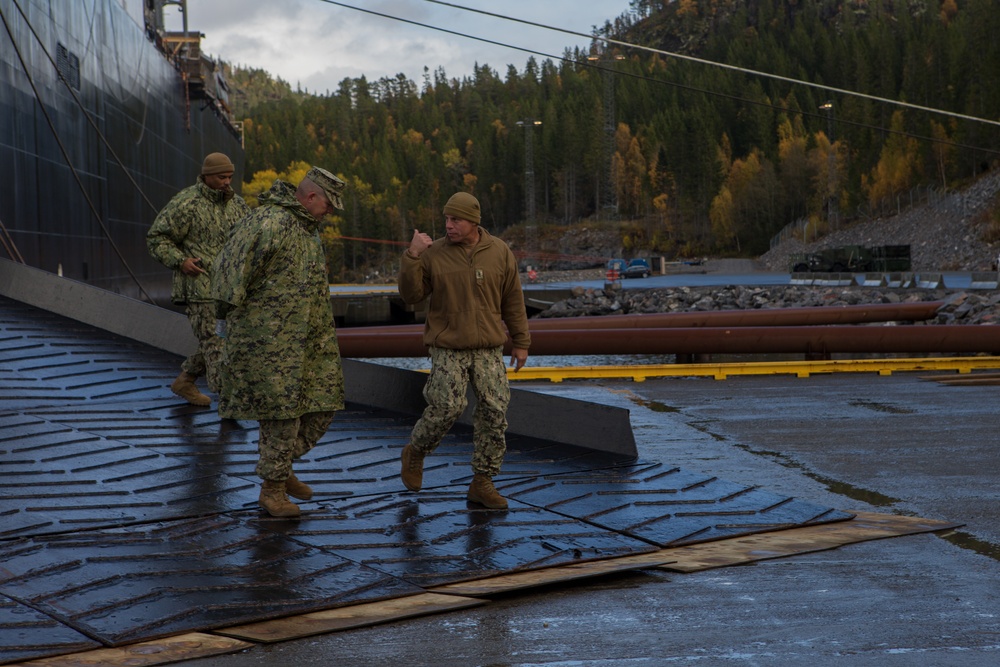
(667, 506)
(437, 537)
(102, 465)
(60, 477)
(143, 582)
(125, 518)
(51, 360)
(27, 634)
(599, 427)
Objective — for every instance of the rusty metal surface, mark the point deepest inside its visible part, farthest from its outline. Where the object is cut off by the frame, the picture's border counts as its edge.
(906, 338)
(760, 317)
(126, 514)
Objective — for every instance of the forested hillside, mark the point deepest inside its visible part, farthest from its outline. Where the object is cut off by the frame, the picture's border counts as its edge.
(699, 159)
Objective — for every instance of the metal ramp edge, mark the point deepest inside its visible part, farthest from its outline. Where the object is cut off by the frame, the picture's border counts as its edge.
(563, 420)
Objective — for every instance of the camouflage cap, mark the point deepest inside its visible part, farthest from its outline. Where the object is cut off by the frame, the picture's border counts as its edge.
(331, 185)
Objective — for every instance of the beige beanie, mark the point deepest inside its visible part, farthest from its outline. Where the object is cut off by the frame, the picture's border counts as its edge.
(463, 205)
(217, 163)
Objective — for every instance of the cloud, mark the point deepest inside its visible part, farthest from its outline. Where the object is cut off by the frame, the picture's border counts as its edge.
(316, 44)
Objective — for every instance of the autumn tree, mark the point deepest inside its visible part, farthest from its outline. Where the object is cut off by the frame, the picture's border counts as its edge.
(898, 166)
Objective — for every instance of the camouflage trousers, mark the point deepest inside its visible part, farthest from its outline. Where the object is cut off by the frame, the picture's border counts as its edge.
(284, 440)
(205, 360)
(445, 393)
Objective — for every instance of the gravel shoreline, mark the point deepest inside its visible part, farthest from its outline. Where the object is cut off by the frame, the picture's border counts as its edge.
(959, 306)
(945, 234)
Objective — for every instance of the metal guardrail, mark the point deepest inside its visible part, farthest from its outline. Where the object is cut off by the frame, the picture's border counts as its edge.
(721, 371)
(984, 280)
(896, 279)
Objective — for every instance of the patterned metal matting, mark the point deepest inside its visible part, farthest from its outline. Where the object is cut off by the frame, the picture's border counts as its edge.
(101, 464)
(137, 582)
(126, 514)
(437, 537)
(666, 506)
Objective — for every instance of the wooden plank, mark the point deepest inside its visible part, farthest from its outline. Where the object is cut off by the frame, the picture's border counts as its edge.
(779, 544)
(190, 646)
(346, 618)
(519, 580)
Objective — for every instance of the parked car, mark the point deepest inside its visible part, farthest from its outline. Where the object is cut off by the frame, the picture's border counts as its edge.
(637, 268)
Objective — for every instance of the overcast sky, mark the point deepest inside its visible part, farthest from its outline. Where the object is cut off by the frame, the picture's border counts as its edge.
(315, 44)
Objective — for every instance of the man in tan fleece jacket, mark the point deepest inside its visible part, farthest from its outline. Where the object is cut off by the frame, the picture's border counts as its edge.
(471, 280)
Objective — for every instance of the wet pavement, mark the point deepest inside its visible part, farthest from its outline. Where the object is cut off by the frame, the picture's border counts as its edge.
(897, 444)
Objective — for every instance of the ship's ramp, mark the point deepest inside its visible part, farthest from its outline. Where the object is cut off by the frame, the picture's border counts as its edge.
(129, 515)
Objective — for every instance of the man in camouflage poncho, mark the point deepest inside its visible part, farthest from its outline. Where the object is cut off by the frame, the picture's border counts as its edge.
(186, 236)
(280, 362)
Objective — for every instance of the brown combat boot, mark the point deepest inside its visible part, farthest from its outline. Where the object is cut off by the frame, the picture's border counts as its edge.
(184, 387)
(413, 468)
(274, 499)
(297, 489)
(483, 492)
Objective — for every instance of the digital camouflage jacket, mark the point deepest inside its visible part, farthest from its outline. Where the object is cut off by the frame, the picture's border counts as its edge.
(280, 359)
(195, 223)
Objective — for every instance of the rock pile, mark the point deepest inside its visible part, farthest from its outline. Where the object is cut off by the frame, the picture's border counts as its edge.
(961, 307)
(944, 234)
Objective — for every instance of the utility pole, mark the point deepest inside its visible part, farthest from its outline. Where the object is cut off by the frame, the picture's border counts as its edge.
(831, 205)
(531, 241)
(608, 197)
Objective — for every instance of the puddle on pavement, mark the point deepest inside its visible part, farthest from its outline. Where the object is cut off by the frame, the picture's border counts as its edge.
(842, 488)
(967, 541)
(882, 407)
(655, 406)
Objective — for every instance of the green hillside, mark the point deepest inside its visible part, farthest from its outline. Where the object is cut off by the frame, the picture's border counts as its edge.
(696, 159)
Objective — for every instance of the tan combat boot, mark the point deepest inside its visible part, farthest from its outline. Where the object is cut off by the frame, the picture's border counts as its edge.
(274, 499)
(184, 387)
(413, 468)
(483, 492)
(297, 489)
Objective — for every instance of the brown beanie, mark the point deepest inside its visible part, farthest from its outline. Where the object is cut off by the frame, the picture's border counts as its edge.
(463, 205)
(217, 163)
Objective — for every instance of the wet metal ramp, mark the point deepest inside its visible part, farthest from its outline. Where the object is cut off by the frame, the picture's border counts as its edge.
(127, 515)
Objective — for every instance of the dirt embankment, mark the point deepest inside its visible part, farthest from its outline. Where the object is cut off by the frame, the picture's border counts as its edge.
(944, 234)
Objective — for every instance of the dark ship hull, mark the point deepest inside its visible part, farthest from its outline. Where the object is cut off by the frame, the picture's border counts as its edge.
(103, 118)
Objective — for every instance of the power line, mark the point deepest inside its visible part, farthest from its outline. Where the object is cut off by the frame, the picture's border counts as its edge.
(675, 84)
(712, 63)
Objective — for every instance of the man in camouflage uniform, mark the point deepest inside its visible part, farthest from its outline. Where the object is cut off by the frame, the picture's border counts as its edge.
(186, 236)
(281, 362)
(471, 279)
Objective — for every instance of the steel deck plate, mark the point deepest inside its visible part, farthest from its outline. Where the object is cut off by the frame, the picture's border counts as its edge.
(129, 515)
(437, 537)
(26, 633)
(129, 584)
(665, 505)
